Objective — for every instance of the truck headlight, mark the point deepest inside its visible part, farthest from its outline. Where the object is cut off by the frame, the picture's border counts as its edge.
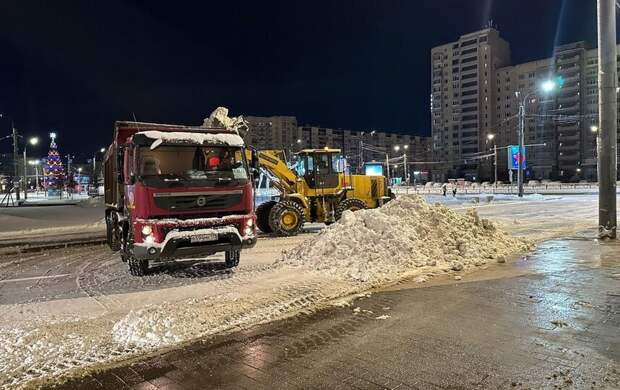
(146, 230)
(249, 222)
(248, 231)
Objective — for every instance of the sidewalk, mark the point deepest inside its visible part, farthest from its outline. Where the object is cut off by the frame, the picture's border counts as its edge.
(547, 321)
(41, 199)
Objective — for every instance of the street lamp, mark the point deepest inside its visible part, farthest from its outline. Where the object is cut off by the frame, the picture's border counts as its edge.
(102, 150)
(491, 137)
(594, 128)
(32, 141)
(546, 87)
(35, 163)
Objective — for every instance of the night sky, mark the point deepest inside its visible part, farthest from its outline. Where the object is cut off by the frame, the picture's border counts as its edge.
(77, 66)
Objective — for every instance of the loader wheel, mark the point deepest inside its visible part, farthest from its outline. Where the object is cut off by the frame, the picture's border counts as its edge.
(232, 258)
(352, 204)
(262, 216)
(137, 267)
(286, 218)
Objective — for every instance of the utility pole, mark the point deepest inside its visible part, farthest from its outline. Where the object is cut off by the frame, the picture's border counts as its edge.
(607, 111)
(521, 142)
(15, 153)
(25, 176)
(495, 164)
(405, 167)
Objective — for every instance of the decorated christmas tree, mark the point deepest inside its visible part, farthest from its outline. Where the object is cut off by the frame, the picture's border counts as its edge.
(54, 170)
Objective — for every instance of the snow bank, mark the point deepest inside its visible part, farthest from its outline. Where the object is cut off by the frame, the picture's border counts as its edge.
(230, 139)
(401, 237)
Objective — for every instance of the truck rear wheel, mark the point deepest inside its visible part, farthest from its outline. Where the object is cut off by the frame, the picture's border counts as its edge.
(232, 258)
(111, 230)
(137, 267)
(286, 218)
(352, 204)
(262, 216)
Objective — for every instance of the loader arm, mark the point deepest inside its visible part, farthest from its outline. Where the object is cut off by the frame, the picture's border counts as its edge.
(274, 163)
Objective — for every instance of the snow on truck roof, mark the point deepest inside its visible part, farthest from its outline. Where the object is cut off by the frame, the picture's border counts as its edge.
(160, 132)
(228, 138)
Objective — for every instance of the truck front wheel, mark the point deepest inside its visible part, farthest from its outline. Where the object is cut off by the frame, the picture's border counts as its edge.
(262, 216)
(232, 258)
(137, 267)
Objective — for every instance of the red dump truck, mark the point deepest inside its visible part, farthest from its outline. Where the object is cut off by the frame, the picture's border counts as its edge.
(177, 192)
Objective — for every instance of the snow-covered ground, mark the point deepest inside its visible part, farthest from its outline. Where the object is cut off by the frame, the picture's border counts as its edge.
(46, 337)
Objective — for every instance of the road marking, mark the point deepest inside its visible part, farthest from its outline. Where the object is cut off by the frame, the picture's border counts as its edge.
(34, 278)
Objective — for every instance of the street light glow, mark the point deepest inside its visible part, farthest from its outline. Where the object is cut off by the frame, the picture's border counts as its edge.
(33, 141)
(490, 136)
(548, 86)
(406, 147)
(102, 150)
(34, 162)
(397, 148)
(594, 128)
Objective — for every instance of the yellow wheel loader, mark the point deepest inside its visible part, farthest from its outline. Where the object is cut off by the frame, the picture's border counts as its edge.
(315, 189)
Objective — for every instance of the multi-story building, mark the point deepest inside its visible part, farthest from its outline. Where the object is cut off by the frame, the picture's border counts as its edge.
(273, 132)
(462, 98)
(557, 126)
(282, 132)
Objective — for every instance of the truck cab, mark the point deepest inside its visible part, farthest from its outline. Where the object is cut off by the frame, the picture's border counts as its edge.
(177, 192)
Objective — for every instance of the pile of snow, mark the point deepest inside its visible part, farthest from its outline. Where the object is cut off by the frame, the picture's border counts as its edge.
(401, 238)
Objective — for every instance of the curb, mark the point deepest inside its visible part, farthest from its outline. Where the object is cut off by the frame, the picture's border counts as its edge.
(12, 248)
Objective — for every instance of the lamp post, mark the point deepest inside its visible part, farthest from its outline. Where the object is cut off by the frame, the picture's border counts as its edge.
(32, 141)
(491, 137)
(35, 163)
(102, 150)
(405, 173)
(547, 87)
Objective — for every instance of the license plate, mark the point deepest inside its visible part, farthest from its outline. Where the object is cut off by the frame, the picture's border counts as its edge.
(203, 237)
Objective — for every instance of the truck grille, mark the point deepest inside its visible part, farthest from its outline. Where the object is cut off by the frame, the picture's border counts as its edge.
(185, 201)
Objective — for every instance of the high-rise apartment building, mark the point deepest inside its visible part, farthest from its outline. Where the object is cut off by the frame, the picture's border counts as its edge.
(477, 92)
(462, 98)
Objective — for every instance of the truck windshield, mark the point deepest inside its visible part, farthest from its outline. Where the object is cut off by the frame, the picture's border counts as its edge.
(193, 165)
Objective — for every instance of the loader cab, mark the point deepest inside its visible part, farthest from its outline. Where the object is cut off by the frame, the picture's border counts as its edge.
(319, 167)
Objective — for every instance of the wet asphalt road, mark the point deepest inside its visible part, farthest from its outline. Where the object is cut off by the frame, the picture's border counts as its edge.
(548, 321)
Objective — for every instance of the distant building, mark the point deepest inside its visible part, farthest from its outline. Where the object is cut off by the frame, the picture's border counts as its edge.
(282, 132)
(473, 95)
(273, 132)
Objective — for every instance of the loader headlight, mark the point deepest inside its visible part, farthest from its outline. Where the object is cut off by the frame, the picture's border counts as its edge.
(146, 230)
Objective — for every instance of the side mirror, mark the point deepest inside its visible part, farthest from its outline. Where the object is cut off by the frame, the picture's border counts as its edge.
(254, 163)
